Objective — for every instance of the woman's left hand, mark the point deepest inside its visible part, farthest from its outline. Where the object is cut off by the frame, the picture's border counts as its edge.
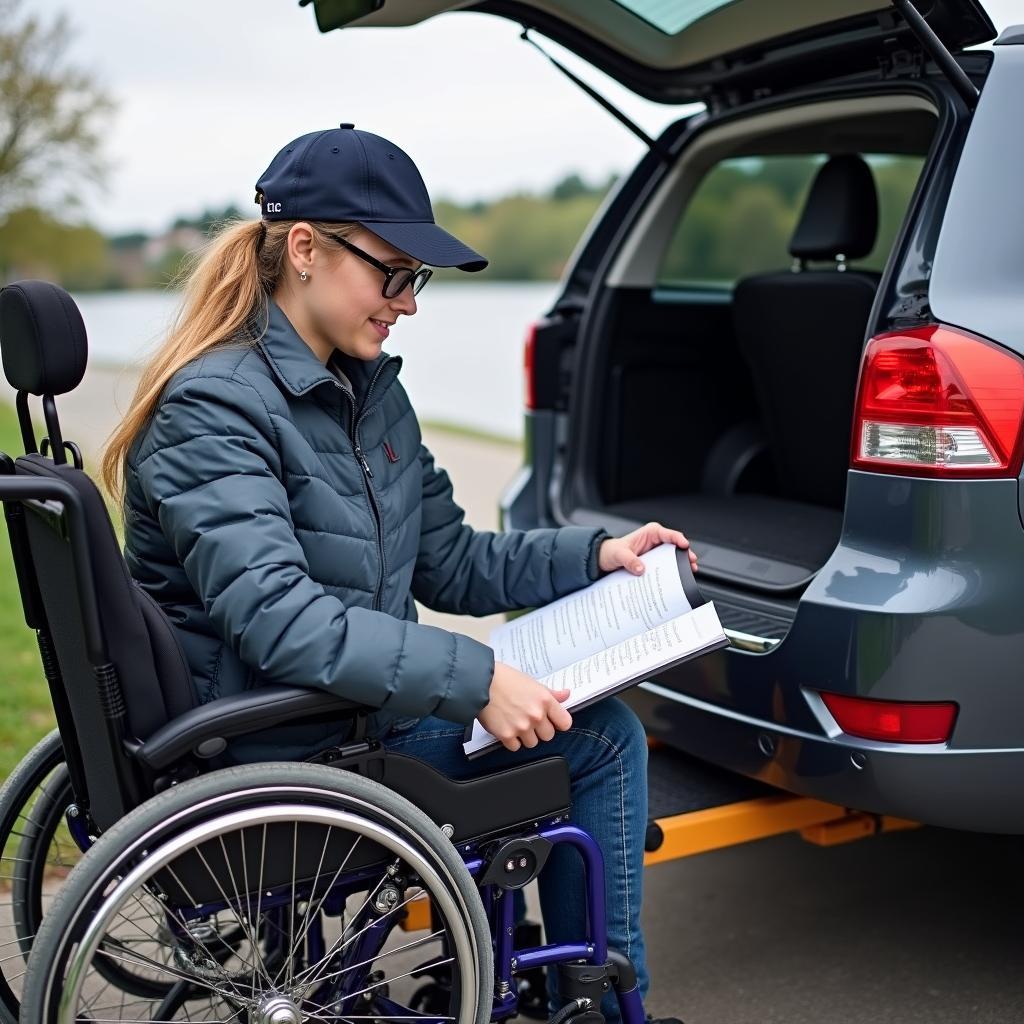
(621, 552)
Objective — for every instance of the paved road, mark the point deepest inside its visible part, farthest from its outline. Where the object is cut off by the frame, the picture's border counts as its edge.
(909, 927)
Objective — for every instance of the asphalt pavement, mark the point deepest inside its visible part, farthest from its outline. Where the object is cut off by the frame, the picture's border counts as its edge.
(908, 927)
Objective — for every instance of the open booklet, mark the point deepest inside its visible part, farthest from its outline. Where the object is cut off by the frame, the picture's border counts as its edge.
(610, 635)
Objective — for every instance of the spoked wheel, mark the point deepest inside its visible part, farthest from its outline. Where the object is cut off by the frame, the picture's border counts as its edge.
(36, 855)
(44, 854)
(264, 895)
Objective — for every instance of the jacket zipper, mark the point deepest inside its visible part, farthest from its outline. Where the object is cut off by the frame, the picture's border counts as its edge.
(378, 520)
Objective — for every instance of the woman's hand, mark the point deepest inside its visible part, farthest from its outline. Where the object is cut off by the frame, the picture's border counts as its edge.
(621, 552)
(521, 712)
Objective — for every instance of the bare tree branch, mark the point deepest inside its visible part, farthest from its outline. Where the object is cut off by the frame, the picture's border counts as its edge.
(51, 112)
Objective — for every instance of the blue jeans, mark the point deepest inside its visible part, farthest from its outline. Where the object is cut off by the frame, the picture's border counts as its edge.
(607, 754)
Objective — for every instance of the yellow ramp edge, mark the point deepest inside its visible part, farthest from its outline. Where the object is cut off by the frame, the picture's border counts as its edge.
(417, 917)
(718, 827)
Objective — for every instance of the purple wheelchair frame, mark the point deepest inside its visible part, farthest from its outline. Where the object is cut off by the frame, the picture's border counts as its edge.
(594, 949)
(508, 961)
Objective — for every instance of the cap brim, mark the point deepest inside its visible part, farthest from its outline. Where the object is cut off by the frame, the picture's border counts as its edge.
(427, 243)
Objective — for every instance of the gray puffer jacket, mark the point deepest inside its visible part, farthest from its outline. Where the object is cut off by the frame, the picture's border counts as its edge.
(286, 521)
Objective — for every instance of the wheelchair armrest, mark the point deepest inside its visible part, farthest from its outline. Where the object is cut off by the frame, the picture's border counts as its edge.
(205, 729)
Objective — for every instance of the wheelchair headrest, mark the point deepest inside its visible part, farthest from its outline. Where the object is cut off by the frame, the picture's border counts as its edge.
(841, 212)
(42, 338)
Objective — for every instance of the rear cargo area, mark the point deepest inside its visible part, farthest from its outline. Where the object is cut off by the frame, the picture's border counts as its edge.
(727, 389)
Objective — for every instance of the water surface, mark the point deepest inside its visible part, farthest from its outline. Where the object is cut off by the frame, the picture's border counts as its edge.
(462, 351)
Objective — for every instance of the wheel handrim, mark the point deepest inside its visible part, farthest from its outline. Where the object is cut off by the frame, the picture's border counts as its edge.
(380, 828)
(29, 808)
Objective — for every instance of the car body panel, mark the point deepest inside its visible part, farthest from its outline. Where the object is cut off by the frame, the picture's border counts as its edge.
(977, 790)
(919, 602)
(976, 275)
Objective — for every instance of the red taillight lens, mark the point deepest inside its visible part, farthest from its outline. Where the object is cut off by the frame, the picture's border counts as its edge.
(935, 401)
(890, 720)
(530, 396)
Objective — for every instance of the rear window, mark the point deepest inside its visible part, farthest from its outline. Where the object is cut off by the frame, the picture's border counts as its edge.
(671, 16)
(743, 213)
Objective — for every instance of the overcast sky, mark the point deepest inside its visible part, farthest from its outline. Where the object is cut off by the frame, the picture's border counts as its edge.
(209, 90)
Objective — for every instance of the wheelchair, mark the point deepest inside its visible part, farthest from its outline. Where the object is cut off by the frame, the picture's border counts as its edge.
(150, 882)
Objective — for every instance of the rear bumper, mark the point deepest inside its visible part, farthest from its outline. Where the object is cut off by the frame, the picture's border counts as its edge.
(975, 790)
(920, 601)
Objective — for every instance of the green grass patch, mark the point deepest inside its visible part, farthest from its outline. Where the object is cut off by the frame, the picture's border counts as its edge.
(26, 714)
(472, 432)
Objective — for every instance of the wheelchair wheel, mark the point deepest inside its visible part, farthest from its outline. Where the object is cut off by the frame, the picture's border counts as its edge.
(44, 858)
(279, 888)
(36, 855)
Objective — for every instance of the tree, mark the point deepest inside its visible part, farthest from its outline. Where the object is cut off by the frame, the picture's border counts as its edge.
(51, 113)
(34, 244)
(570, 187)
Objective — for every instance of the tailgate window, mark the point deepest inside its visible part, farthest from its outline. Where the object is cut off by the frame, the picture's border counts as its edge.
(671, 16)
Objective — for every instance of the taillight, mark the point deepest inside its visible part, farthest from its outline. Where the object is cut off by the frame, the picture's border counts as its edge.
(890, 720)
(936, 401)
(529, 392)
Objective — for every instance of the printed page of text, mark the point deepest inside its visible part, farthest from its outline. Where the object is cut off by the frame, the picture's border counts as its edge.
(607, 612)
(632, 659)
(638, 655)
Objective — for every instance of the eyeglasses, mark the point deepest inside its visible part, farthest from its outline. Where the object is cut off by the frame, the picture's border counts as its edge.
(396, 279)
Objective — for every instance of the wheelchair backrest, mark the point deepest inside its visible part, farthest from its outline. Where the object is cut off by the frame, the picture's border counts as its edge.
(122, 673)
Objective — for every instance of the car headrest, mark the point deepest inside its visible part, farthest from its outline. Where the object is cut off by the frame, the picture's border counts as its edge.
(42, 338)
(841, 212)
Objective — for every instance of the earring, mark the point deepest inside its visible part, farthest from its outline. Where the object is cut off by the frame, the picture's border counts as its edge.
(303, 276)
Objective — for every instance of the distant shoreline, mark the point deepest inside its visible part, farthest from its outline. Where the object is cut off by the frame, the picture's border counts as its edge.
(462, 354)
(439, 279)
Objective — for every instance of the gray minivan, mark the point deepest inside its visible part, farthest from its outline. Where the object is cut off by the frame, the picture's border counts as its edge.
(795, 331)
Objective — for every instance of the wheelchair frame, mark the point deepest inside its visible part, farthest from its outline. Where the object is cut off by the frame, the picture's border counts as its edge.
(499, 862)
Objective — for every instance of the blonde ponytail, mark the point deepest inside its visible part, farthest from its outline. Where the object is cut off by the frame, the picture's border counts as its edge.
(225, 283)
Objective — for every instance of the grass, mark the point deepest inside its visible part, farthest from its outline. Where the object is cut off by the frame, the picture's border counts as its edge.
(471, 432)
(25, 711)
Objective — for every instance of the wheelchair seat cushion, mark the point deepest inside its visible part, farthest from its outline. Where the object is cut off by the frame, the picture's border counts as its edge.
(43, 341)
(501, 801)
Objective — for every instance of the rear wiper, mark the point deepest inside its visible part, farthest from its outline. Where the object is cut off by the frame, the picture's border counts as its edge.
(936, 49)
(651, 144)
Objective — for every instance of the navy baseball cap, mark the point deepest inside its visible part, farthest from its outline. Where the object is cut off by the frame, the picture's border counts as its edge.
(345, 175)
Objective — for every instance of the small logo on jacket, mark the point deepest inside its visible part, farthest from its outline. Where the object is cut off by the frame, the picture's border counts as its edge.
(390, 452)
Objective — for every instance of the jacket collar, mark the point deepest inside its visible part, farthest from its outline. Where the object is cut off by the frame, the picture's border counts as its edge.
(299, 371)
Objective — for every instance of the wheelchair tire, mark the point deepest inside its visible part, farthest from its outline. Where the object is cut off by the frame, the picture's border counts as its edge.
(38, 854)
(29, 859)
(209, 849)
(41, 861)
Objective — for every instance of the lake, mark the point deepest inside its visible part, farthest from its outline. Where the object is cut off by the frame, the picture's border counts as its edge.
(462, 351)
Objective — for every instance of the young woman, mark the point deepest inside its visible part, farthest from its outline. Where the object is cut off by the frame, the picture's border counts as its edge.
(280, 505)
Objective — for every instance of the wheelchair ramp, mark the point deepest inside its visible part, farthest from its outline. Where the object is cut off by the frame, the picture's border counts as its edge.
(695, 807)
